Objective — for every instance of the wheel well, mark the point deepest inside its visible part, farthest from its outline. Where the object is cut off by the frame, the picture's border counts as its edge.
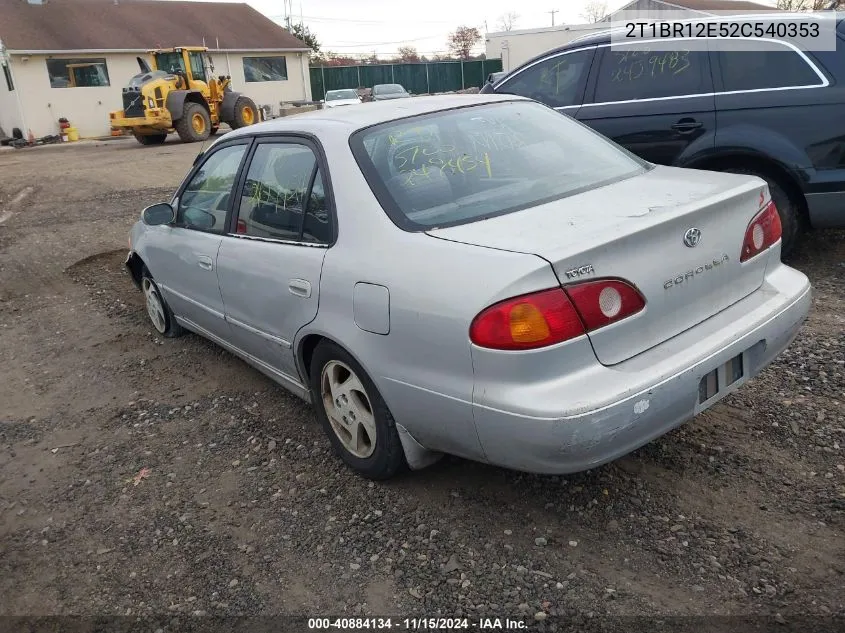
(196, 97)
(136, 268)
(762, 166)
(306, 351)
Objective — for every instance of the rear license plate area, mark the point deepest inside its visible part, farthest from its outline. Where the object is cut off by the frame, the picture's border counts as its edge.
(714, 384)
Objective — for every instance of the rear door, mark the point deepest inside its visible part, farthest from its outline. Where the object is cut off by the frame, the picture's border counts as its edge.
(270, 262)
(558, 80)
(654, 99)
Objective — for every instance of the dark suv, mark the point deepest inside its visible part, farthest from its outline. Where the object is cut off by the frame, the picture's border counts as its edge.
(763, 107)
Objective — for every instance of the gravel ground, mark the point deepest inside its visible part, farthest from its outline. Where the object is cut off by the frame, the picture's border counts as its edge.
(150, 477)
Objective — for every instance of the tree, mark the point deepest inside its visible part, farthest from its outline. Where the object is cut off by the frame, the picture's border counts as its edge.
(809, 5)
(508, 20)
(408, 54)
(303, 33)
(595, 11)
(463, 40)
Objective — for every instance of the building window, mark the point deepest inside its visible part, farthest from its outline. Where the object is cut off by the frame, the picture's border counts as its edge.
(78, 73)
(8, 74)
(265, 68)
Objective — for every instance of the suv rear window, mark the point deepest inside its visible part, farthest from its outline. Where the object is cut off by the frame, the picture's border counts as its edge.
(462, 165)
(756, 65)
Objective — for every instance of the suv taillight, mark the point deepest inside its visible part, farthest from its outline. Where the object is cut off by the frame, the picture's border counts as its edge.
(763, 231)
(552, 316)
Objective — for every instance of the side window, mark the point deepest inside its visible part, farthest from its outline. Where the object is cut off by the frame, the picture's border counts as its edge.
(557, 81)
(275, 196)
(204, 201)
(646, 72)
(317, 227)
(755, 65)
(197, 68)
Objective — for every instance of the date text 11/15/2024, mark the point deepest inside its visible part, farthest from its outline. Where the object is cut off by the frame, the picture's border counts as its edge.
(375, 624)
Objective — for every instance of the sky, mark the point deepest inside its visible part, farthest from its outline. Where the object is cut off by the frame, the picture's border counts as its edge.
(366, 26)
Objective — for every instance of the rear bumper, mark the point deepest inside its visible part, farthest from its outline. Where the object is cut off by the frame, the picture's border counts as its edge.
(583, 419)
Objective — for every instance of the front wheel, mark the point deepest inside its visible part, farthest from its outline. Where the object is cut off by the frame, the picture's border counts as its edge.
(353, 414)
(195, 124)
(159, 312)
(246, 113)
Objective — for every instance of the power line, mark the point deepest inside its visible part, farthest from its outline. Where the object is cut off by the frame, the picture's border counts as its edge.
(351, 21)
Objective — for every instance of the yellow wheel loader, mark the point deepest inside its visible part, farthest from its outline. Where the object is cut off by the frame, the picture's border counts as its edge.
(180, 93)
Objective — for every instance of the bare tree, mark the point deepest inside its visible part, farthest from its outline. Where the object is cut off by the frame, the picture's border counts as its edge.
(408, 54)
(463, 40)
(508, 20)
(595, 11)
(809, 5)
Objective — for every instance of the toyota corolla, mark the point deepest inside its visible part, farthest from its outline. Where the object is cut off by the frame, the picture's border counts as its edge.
(472, 275)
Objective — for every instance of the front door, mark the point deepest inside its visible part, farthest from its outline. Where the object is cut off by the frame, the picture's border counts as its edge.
(185, 254)
(269, 266)
(654, 100)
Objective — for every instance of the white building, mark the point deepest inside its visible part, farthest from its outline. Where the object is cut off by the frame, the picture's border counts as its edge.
(516, 47)
(71, 58)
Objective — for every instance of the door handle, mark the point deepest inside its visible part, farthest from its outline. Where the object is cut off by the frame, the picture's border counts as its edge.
(205, 262)
(300, 288)
(686, 125)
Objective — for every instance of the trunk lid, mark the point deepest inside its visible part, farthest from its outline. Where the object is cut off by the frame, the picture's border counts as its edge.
(635, 230)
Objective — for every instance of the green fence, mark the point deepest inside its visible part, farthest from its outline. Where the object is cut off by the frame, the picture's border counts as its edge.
(421, 78)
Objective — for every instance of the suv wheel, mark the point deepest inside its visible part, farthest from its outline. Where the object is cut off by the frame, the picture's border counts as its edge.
(787, 209)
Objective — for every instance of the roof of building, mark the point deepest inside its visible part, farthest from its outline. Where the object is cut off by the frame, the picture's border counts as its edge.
(138, 25)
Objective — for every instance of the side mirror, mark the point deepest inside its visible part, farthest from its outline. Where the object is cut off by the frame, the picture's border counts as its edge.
(158, 214)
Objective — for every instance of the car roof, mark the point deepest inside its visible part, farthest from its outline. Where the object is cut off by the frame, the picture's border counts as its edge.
(604, 36)
(351, 119)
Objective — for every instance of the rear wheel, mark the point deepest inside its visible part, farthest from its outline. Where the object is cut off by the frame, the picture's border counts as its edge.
(246, 113)
(195, 124)
(788, 208)
(150, 139)
(353, 414)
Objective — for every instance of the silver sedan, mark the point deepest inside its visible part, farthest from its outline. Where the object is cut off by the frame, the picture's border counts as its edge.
(472, 275)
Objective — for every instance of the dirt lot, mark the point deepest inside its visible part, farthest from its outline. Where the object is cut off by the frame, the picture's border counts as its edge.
(245, 510)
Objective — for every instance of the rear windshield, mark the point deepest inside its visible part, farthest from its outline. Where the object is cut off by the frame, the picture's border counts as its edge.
(458, 166)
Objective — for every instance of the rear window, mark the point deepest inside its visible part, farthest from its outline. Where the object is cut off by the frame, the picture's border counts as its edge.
(462, 165)
(759, 65)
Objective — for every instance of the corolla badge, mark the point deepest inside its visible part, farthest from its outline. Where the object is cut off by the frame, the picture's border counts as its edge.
(692, 237)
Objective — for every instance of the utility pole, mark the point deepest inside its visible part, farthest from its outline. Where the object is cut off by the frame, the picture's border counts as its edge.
(553, 11)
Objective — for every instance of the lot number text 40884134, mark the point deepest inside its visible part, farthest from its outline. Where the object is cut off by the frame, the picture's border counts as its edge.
(414, 624)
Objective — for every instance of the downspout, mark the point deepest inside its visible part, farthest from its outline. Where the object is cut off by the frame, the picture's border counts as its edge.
(302, 59)
(17, 91)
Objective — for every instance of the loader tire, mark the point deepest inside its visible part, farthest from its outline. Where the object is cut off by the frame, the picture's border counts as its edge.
(246, 113)
(150, 139)
(195, 124)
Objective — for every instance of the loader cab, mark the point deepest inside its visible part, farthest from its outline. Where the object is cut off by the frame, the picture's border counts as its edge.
(192, 64)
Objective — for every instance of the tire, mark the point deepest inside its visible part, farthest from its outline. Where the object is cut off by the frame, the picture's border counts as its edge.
(361, 415)
(150, 139)
(195, 124)
(790, 219)
(246, 113)
(160, 314)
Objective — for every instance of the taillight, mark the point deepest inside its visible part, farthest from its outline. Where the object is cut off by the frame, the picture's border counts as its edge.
(763, 231)
(553, 316)
(527, 322)
(241, 226)
(605, 301)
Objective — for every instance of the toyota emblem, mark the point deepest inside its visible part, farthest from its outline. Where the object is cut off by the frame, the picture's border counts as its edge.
(692, 237)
